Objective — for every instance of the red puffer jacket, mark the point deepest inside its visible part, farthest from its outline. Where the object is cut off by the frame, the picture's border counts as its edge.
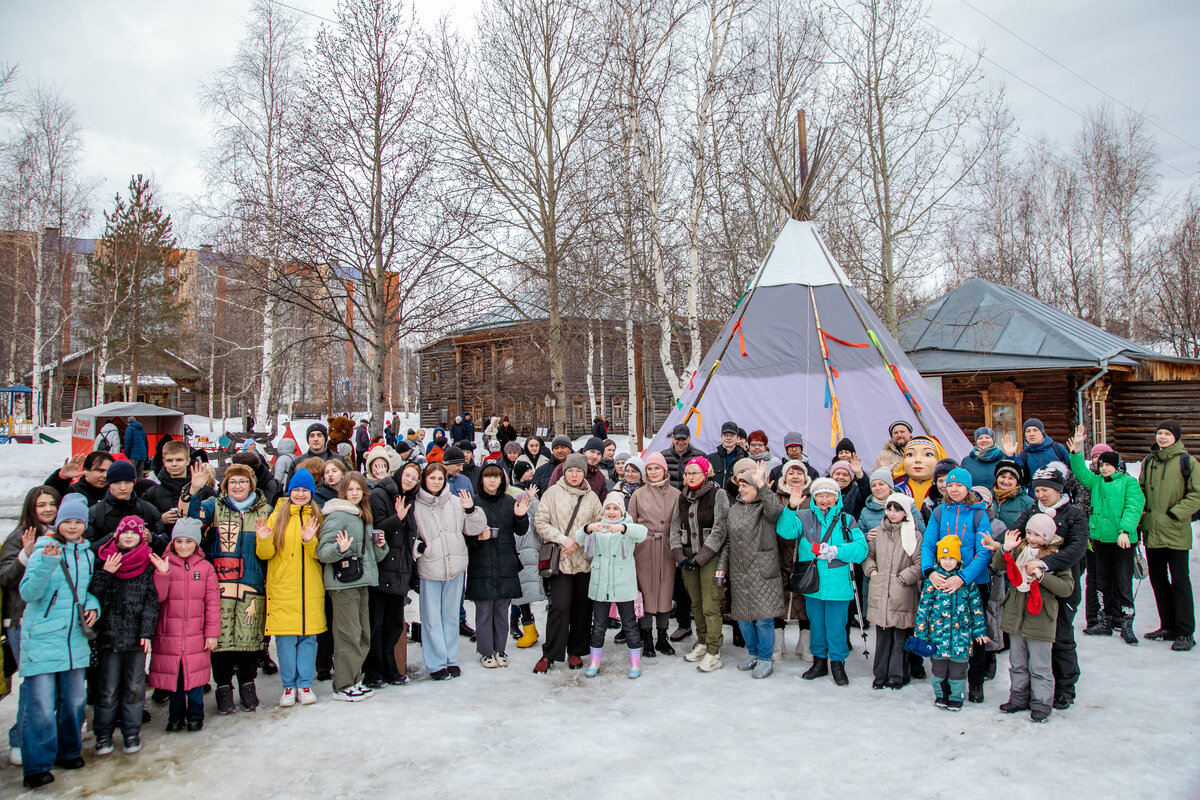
(190, 612)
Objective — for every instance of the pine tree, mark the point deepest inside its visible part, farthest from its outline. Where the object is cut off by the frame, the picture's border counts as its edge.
(133, 307)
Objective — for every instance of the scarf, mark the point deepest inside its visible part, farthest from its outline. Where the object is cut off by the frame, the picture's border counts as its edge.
(907, 530)
(1062, 501)
(993, 453)
(242, 505)
(1004, 495)
(133, 562)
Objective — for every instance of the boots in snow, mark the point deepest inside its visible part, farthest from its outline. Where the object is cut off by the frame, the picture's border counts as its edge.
(664, 643)
(647, 642)
(466, 630)
(635, 663)
(1160, 635)
(1183, 643)
(620, 638)
(225, 700)
(514, 628)
(1103, 627)
(594, 666)
(802, 645)
(819, 669)
(780, 636)
(414, 632)
(1127, 633)
(249, 696)
(529, 635)
(265, 664)
(838, 668)
(975, 692)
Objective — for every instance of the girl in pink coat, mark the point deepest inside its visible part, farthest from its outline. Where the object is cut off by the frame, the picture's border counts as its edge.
(189, 624)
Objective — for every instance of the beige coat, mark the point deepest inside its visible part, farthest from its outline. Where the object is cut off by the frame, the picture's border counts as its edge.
(441, 523)
(652, 505)
(894, 592)
(553, 514)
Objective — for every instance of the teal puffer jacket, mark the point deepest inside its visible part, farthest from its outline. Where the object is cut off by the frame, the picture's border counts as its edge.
(51, 637)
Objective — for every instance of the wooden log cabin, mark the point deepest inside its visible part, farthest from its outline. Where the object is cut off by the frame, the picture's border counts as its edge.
(1002, 356)
(498, 366)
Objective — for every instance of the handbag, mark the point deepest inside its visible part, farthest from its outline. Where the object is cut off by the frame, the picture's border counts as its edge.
(349, 569)
(805, 578)
(550, 553)
(1141, 568)
(89, 632)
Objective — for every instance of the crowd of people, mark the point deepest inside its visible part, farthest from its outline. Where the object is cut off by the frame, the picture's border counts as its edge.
(197, 578)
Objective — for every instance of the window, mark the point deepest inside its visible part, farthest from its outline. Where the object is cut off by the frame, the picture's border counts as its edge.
(477, 365)
(435, 372)
(577, 410)
(618, 411)
(1002, 410)
(508, 365)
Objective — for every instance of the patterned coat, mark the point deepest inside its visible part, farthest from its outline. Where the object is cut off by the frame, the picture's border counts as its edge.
(752, 558)
(951, 621)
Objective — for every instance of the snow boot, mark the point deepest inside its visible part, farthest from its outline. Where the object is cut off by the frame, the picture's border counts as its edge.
(975, 692)
(1160, 635)
(1103, 627)
(249, 695)
(802, 645)
(529, 635)
(542, 666)
(838, 668)
(664, 643)
(620, 638)
(819, 669)
(265, 664)
(1183, 643)
(635, 663)
(1127, 633)
(1038, 715)
(466, 630)
(594, 665)
(225, 700)
(1012, 708)
(647, 642)
(514, 629)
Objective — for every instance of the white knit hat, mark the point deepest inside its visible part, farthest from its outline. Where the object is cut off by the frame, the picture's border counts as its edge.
(828, 485)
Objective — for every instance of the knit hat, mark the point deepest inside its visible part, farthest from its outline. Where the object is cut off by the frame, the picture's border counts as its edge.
(841, 465)
(729, 427)
(493, 446)
(453, 455)
(908, 528)
(344, 449)
(984, 494)
(302, 479)
(656, 458)
(757, 436)
(119, 471)
(1043, 525)
(985, 430)
(465, 444)
(1013, 468)
(505, 420)
(882, 474)
(615, 499)
(73, 506)
(403, 446)
(561, 441)
(1034, 422)
(950, 547)
(943, 467)
(701, 462)
(319, 428)
(186, 528)
(131, 523)
(959, 475)
(594, 443)
(1098, 449)
(741, 433)
(844, 444)
(235, 470)
(130, 419)
(1172, 426)
(636, 463)
(1049, 477)
(792, 438)
(575, 461)
(519, 469)
(1109, 457)
(385, 452)
(743, 466)
(794, 463)
(905, 423)
(681, 431)
(512, 448)
(827, 485)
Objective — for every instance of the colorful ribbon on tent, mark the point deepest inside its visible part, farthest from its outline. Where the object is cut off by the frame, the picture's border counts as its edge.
(895, 373)
(831, 399)
(741, 339)
(695, 411)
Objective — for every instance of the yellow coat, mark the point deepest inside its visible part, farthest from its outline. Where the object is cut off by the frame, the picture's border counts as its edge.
(295, 591)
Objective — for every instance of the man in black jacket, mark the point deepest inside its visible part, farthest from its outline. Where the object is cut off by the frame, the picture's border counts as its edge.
(679, 453)
(173, 479)
(91, 470)
(725, 456)
(118, 503)
(560, 448)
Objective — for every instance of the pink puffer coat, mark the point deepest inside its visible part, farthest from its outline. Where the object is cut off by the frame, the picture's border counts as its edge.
(190, 612)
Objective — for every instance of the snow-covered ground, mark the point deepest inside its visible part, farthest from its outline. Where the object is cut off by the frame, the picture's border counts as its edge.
(507, 733)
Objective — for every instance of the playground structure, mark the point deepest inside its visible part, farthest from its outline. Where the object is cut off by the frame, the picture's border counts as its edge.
(16, 423)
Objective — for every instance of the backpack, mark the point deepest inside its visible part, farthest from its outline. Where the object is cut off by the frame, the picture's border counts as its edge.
(1185, 469)
(102, 445)
(937, 517)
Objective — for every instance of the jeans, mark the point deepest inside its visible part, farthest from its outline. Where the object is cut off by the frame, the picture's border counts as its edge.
(14, 641)
(706, 605)
(440, 601)
(491, 627)
(51, 718)
(120, 691)
(760, 637)
(297, 660)
(629, 623)
(351, 635)
(828, 620)
(186, 704)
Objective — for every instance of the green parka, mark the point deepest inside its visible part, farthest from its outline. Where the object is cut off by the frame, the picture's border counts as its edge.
(1015, 616)
(1163, 484)
(1117, 502)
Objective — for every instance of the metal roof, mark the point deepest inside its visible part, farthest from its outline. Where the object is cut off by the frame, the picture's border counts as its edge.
(983, 326)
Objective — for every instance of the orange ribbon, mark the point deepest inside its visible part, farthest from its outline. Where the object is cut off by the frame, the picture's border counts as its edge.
(741, 339)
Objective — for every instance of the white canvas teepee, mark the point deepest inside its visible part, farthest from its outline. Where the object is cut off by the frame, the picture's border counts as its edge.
(767, 369)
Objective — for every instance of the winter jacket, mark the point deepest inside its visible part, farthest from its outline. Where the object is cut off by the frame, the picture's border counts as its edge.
(982, 466)
(295, 589)
(456, 432)
(94, 494)
(342, 515)
(894, 591)
(722, 463)
(841, 531)
(230, 544)
(1072, 526)
(111, 435)
(190, 613)
(1015, 616)
(698, 524)
(165, 495)
(541, 477)
(494, 571)
(889, 457)
(528, 547)
(676, 463)
(614, 577)
(969, 523)
(752, 558)
(653, 505)
(599, 429)
(12, 569)
(136, 446)
(130, 609)
(104, 517)
(284, 462)
(383, 498)
(324, 493)
(854, 496)
(51, 639)
(441, 525)
(434, 441)
(468, 430)
(554, 514)
(594, 476)
(1011, 509)
(1170, 502)
(506, 434)
(1117, 502)
(362, 439)
(1035, 456)
(951, 620)
(396, 568)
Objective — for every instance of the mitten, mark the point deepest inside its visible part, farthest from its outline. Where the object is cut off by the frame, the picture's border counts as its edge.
(689, 564)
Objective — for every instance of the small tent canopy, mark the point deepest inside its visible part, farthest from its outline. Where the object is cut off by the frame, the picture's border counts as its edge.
(803, 351)
(158, 422)
(16, 388)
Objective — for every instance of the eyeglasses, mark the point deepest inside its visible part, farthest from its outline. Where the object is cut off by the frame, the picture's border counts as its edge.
(239, 482)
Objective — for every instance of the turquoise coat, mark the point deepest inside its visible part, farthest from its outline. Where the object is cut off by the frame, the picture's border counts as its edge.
(51, 639)
(614, 578)
(951, 621)
(837, 581)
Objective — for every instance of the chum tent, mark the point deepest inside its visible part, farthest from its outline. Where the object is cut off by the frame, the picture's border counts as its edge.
(767, 369)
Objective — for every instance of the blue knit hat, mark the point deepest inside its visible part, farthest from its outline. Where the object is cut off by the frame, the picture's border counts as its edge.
(303, 479)
(73, 506)
(120, 470)
(985, 430)
(959, 475)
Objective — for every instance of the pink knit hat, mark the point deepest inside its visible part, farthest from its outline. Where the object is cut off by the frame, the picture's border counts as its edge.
(702, 463)
(1098, 449)
(656, 458)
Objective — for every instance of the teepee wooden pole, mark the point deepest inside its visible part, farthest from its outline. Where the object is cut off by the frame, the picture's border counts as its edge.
(833, 399)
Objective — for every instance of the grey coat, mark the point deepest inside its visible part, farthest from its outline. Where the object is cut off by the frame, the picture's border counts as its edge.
(752, 558)
(528, 545)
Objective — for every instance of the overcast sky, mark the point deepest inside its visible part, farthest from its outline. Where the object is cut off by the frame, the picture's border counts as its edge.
(132, 69)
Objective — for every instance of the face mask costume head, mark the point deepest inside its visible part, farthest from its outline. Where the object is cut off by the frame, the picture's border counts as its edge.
(914, 475)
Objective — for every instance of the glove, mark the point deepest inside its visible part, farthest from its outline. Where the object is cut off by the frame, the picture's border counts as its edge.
(420, 547)
(828, 552)
(690, 564)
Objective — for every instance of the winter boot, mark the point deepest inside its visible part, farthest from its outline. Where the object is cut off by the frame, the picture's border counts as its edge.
(594, 667)
(620, 638)
(838, 668)
(819, 669)
(1183, 643)
(1039, 715)
(249, 696)
(635, 662)
(466, 630)
(529, 635)
(1127, 633)
(514, 629)
(975, 692)
(225, 700)
(802, 648)
(647, 642)
(265, 664)
(1103, 627)
(664, 643)
(738, 639)
(1161, 635)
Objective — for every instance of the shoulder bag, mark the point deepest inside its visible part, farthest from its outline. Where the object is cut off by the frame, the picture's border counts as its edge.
(550, 553)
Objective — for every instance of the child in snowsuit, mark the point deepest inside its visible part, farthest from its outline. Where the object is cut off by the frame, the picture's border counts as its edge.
(189, 625)
(950, 619)
(893, 564)
(609, 544)
(124, 585)
(1030, 615)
